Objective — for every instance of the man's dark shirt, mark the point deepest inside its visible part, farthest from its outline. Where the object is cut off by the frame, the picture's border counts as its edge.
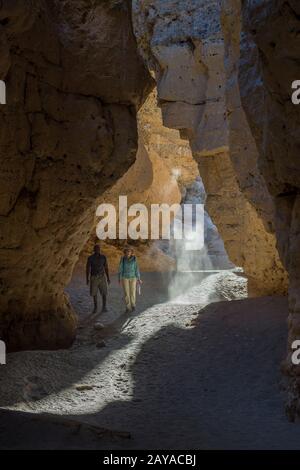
(96, 264)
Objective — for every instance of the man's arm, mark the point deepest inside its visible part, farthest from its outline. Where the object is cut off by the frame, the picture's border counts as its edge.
(107, 271)
(88, 270)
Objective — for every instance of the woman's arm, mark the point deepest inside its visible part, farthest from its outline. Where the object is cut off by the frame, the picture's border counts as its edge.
(137, 271)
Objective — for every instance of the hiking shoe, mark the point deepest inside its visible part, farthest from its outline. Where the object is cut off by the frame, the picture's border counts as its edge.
(104, 309)
(133, 309)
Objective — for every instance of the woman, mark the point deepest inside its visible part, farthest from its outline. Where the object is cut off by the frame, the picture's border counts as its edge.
(129, 275)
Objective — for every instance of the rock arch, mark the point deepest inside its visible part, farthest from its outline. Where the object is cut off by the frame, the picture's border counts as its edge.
(68, 132)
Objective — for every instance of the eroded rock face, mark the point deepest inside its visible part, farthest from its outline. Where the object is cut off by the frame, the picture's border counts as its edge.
(74, 82)
(183, 44)
(163, 167)
(166, 142)
(269, 64)
(164, 172)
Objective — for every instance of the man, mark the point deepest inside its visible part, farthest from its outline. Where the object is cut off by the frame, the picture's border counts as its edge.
(129, 275)
(97, 275)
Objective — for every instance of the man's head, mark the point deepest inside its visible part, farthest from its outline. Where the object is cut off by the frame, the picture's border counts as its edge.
(97, 249)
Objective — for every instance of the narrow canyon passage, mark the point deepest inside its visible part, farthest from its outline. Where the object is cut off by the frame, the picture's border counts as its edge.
(147, 108)
(179, 374)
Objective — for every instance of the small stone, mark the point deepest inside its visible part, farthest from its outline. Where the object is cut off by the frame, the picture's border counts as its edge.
(83, 387)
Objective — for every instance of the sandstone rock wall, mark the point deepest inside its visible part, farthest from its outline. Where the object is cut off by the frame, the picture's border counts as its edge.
(68, 133)
(269, 63)
(182, 42)
(164, 172)
(164, 166)
(167, 143)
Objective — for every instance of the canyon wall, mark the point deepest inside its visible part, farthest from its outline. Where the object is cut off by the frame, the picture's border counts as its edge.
(68, 133)
(164, 172)
(183, 45)
(269, 63)
(163, 168)
(75, 81)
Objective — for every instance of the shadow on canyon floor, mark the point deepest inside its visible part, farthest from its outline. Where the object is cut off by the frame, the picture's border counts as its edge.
(214, 384)
(84, 356)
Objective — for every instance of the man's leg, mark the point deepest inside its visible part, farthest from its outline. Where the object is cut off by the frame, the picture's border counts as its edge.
(95, 303)
(133, 292)
(93, 292)
(104, 308)
(125, 283)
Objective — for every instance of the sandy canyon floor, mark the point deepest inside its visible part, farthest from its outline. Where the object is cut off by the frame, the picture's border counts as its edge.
(198, 372)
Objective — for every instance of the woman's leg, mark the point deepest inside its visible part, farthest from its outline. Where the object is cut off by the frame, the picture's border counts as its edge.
(133, 292)
(126, 288)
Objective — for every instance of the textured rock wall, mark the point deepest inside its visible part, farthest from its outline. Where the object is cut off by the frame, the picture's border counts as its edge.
(269, 63)
(246, 239)
(183, 45)
(164, 172)
(166, 142)
(74, 82)
(164, 166)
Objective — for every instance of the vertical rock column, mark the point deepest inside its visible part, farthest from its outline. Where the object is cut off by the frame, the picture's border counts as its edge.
(68, 133)
(269, 63)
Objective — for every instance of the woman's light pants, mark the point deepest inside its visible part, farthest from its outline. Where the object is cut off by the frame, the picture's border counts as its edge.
(129, 286)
